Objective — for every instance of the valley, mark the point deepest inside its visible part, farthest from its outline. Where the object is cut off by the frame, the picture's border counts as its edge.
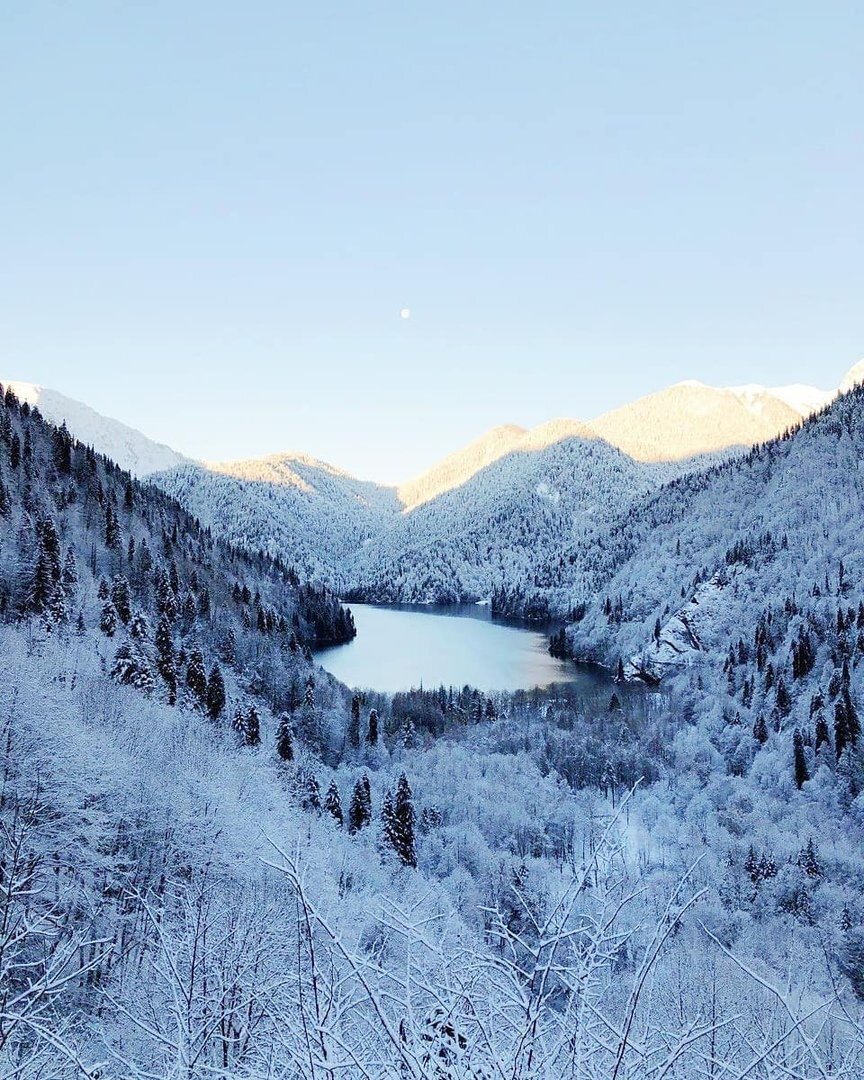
(227, 804)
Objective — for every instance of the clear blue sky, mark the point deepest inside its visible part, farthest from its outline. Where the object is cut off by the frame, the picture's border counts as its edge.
(211, 213)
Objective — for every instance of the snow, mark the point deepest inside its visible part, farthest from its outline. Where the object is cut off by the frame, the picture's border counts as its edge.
(124, 445)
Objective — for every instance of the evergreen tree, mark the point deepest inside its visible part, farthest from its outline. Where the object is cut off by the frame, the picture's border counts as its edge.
(373, 727)
(112, 528)
(388, 839)
(131, 668)
(108, 619)
(61, 445)
(360, 810)
(310, 793)
(121, 597)
(802, 774)
(846, 725)
(253, 727)
(808, 860)
(215, 693)
(354, 723)
(47, 572)
(196, 677)
(166, 660)
(69, 575)
(760, 730)
(333, 804)
(404, 818)
(285, 738)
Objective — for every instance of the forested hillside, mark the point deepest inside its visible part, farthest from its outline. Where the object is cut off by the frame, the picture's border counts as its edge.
(504, 528)
(218, 863)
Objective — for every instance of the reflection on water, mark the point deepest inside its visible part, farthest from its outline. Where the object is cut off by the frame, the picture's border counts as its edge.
(401, 647)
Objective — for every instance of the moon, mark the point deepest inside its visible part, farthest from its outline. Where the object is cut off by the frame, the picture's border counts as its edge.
(405, 313)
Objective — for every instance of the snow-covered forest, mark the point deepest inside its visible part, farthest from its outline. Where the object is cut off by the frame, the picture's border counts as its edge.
(218, 862)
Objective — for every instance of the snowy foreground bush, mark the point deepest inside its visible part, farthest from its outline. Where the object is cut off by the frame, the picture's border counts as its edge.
(168, 910)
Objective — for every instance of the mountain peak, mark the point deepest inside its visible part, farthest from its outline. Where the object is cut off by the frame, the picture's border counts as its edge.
(124, 445)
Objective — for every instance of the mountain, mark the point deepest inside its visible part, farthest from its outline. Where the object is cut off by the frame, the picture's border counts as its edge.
(691, 418)
(124, 445)
(495, 532)
(197, 883)
(499, 515)
(315, 516)
(771, 535)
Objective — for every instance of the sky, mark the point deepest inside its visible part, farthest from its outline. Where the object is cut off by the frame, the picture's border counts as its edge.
(212, 213)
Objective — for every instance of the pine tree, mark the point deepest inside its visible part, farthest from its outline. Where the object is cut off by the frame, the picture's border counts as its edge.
(69, 576)
(61, 445)
(404, 818)
(360, 810)
(373, 727)
(166, 660)
(121, 597)
(353, 732)
(310, 795)
(112, 528)
(333, 804)
(802, 774)
(196, 678)
(782, 698)
(846, 725)
(285, 738)
(215, 693)
(253, 727)
(108, 619)
(388, 839)
(808, 860)
(131, 668)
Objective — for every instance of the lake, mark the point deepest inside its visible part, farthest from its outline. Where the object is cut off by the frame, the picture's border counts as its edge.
(404, 646)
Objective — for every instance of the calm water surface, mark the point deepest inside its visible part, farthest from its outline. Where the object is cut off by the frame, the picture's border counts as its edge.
(401, 647)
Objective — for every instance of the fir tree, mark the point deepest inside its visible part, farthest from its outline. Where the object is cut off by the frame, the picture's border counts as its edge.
(69, 575)
(760, 730)
(215, 693)
(387, 840)
(166, 660)
(354, 723)
(196, 677)
(108, 619)
(373, 727)
(285, 738)
(131, 668)
(360, 810)
(310, 794)
(802, 775)
(333, 804)
(121, 597)
(253, 727)
(403, 817)
(61, 446)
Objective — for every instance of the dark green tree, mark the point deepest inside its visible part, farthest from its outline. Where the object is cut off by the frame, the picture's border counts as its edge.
(333, 804)
(285, 738)
(360, 810)
(802, 774)
(215, 693)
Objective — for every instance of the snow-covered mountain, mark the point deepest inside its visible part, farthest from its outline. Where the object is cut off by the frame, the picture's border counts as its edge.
(695, 566)
(499, 514)
(122, 444)
(315, 516)
(691, 418)
(184, 898)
